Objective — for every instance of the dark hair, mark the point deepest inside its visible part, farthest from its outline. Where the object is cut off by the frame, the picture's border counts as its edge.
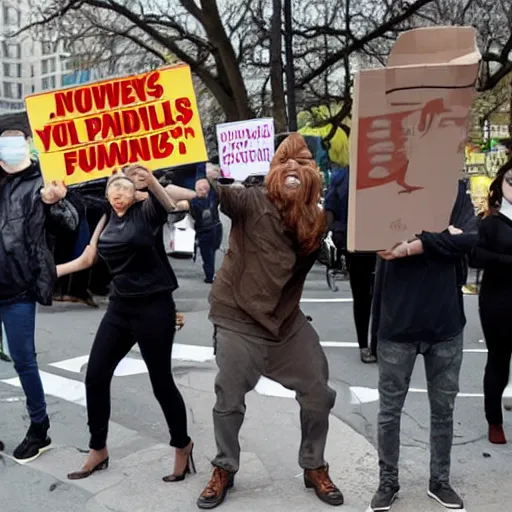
(495, 196)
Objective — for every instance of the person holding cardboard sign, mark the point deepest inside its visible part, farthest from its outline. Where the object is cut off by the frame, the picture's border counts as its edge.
(141, 310)
(418, 309)
(29, 211)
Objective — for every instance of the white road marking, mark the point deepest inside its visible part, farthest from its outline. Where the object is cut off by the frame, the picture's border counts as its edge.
(128, 366)
(12, 399)
(313, 301)
(194, 353)
(460, 395)
(61, 387)
(269, 387)
(361, 395)
(339, 344)
(74, 365)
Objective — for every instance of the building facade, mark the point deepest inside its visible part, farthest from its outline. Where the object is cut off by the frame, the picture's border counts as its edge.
(27, 65)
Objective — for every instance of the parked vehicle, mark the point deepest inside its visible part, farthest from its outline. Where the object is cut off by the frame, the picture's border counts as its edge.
(180, 235)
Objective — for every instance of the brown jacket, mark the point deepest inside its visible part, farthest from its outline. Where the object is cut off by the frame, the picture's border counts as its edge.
(258, 289)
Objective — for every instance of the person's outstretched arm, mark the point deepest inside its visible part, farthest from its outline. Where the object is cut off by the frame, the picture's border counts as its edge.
(451, 244)
(88, 257)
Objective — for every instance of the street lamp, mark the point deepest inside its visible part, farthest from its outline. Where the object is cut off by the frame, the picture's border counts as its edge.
(290, 71)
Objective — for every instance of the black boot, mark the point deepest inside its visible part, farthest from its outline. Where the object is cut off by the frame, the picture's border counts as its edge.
(35, 443)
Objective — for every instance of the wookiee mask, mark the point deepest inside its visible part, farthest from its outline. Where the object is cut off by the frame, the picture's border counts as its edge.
(294, 185)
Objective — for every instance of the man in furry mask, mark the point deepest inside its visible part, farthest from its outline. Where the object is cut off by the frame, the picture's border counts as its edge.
(259, 327)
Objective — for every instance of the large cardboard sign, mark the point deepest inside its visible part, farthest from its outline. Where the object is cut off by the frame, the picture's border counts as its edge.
(88, 132)
(245, 147)
(408, 136)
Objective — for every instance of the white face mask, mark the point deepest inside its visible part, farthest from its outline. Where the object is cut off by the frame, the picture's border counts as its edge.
(14, 151)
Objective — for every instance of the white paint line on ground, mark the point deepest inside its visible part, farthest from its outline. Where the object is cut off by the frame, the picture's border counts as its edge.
(339, 344)
(194, 353)
(460, 395)
(61, 387)
(326, 301)
(74, 365)
(476, 350)
(361, 395)
(12, 399)
(269, 387)
(128, 366)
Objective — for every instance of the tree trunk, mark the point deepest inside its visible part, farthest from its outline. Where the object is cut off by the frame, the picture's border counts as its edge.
(276, 69)
(216, 32)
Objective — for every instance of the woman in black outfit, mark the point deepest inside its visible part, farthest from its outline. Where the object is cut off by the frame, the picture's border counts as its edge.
(141, 309)
(494, 254)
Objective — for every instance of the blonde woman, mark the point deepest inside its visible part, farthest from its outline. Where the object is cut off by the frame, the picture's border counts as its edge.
(141, 309)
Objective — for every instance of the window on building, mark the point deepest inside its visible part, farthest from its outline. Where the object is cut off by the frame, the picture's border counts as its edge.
(19, 91)
(12, 50)
(7, 86)
(45, 67)
(46, 83)
(53, 81)
(32, 71)
(53, 65)
(12, 70)
(11, 15)
(47, 48)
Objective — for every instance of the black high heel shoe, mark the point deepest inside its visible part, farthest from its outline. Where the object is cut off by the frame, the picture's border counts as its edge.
(189, 469)
(80, 475)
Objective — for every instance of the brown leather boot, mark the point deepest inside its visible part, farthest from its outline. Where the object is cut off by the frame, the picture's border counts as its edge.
(215, 492)
(325, 489)
(497, 434)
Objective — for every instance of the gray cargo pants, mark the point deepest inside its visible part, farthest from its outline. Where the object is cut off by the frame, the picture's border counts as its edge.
(299, 364)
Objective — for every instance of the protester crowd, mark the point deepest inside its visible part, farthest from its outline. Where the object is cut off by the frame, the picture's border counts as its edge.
(60, 244)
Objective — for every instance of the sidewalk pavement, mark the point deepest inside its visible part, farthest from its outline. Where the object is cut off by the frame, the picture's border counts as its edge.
(269, 477)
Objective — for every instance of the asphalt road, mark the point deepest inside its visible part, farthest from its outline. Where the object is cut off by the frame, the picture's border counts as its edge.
(65, 333)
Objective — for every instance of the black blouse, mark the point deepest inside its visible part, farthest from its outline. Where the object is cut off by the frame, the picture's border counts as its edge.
(130, 246)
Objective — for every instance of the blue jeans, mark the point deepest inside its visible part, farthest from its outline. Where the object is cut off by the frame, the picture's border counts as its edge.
(19, 319)
(443, 361)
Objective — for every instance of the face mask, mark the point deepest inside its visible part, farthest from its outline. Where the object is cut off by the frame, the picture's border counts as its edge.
(13, 151)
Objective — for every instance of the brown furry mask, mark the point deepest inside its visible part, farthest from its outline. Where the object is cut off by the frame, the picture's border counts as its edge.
(294, 185)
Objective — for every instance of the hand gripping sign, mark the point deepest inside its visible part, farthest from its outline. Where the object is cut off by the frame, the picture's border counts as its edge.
(87, 132)
(408, 136)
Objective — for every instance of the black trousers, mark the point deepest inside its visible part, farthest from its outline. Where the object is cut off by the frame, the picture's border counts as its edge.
(209, 242)
(494, 317)
(150, 321)
(361, 268)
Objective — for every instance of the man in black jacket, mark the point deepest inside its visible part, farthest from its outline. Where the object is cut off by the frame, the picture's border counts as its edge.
(27, 271)
(418, 309)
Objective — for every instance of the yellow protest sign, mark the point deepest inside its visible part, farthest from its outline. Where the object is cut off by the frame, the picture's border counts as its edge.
(88, 132)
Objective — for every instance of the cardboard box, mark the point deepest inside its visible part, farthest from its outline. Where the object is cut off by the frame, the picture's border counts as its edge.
(408, 136)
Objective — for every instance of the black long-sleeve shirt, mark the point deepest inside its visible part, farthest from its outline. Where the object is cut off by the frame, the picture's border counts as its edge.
(419, 298)
(493, 253)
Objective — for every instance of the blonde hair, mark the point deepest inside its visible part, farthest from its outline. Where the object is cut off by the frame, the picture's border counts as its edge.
(117, 177)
